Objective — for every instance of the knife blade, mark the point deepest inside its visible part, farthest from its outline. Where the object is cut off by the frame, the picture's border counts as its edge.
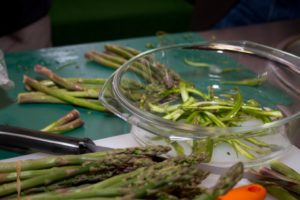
(29, 141)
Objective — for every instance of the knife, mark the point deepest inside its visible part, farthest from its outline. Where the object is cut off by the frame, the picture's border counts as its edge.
(29, 141)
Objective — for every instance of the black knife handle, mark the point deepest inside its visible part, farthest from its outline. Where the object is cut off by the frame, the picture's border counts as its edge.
(27, 140)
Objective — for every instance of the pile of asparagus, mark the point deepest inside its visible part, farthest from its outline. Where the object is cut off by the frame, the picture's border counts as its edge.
(280, 180)
(133, 173)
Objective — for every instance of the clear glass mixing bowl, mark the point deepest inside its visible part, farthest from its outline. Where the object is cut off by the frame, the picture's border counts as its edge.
(153, 90)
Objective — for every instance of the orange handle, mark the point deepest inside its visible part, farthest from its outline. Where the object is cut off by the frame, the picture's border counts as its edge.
(248, 192)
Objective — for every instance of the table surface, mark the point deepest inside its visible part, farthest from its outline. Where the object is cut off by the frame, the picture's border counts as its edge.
(69, 61)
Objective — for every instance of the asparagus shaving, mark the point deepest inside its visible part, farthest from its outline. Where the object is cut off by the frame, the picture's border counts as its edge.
(236, 107)
(248, 82)
(198, 64)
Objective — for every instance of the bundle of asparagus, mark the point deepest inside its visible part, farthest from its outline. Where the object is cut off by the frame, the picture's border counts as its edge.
(280, 180)
(133, 173)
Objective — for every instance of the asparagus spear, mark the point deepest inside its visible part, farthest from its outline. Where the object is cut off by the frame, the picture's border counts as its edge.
(279, 192)
(123, 52)
(70, 116)
(280, 180)
(55, 78)
(116, 61)
(224, 184)
(67, 127)
(78, 80)
(12, 176)
(102, 60)
(39, 97)
(285, 170)
(53, 161)
(61, 95)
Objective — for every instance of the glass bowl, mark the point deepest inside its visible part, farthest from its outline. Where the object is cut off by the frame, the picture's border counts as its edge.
(232, 100)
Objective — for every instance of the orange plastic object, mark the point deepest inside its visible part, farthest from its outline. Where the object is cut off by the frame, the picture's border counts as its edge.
(247, 192)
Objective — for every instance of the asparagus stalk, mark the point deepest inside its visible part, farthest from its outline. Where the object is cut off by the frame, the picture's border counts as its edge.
(55, 161)
(55, 78)
(113, 58)
(123, 52)
(102, 60)
(87, 80)
(39, 97)
(83, 82)
(61, 95)
(224, 184)
(70, 116)
(67, 127)
(285, 170)
(58, 174)
(280, 180)
(279, 192)
(12, 176)
(115, 62)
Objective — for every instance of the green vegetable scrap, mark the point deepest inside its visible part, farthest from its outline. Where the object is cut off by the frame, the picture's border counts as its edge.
(212, 68)
(259, 80)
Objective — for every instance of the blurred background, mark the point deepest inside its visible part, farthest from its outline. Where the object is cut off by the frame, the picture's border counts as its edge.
(32, 24)
(93, 20)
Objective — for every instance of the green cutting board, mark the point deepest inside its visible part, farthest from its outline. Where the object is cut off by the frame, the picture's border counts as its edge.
(68, 61)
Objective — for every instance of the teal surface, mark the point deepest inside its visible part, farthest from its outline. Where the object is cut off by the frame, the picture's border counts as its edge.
(67, 61)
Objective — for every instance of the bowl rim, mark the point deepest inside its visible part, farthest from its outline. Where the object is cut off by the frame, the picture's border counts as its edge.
(289, 60)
